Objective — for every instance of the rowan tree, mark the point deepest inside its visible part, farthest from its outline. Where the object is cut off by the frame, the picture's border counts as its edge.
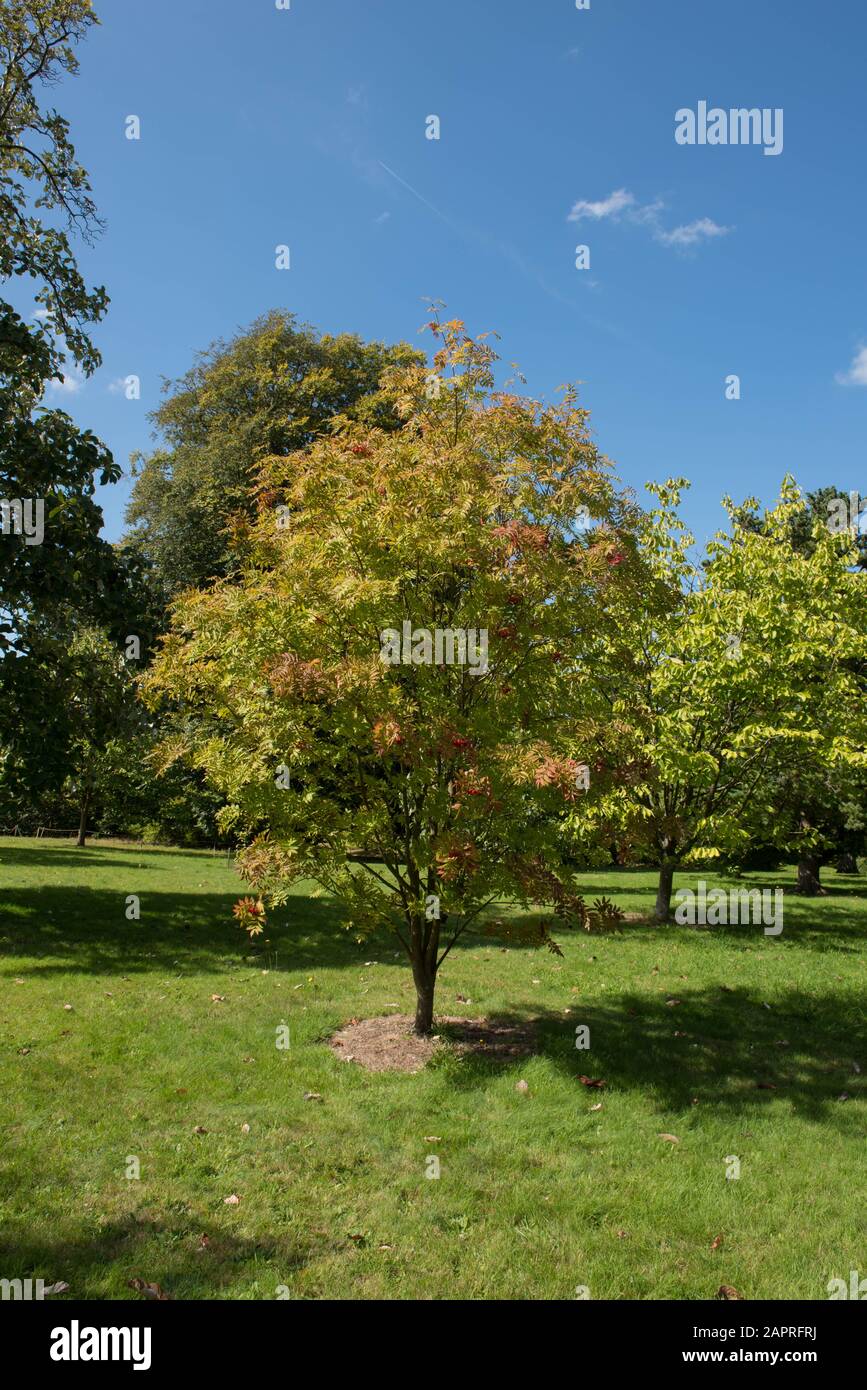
(423, 791)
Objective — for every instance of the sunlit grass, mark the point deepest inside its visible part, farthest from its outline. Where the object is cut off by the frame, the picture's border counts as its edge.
(539, 1192)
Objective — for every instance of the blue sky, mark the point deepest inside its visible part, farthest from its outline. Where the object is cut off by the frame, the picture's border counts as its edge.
(307, 127)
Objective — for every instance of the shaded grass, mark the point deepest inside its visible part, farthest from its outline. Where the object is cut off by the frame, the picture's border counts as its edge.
(538, 1193)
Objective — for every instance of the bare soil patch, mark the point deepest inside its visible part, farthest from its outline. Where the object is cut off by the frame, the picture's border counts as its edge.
(389, 1044)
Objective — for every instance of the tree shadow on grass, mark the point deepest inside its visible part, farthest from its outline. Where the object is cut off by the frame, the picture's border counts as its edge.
(35, 854)
(722, 1048)
(65, 927)
(86, 929)
(148, 1248)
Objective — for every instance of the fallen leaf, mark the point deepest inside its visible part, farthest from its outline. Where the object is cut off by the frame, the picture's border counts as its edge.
(232, 1201)
(597, 1106)
(59, 1287)
(716, 1242)
(148, 1290)
(245, 1129)
(218, 998)
(433, 1139)
(312, 1095)
(670, 1138)
(200, 1129)
(204, 1242)
(68, 1008)
(521, 1086)
(765, 1086)
(726, 1291)
(597, 1082)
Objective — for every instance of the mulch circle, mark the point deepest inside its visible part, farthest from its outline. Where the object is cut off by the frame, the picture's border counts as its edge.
(389, 1044)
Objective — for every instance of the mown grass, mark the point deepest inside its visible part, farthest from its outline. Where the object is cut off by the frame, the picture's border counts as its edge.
(539, 1193)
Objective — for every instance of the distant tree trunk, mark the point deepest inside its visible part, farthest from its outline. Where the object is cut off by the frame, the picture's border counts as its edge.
(846, 863)
(809, 866)
(663, 892)
(82, 820)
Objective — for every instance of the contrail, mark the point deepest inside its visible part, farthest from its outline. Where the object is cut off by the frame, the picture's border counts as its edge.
(415, 193)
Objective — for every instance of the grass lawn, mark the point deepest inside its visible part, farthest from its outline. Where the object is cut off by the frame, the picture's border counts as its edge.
(540, 1191)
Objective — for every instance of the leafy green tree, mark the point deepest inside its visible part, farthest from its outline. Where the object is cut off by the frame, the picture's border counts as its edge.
(418, 784)
(269, 391)
(46, 462)
(98, 693)
(733, 673)
(821, 817)
(824, 507)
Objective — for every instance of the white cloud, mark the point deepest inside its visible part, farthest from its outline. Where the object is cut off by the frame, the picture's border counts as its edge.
(612, 206)
(383, 217)
(71, 383)
(648, 215)
(691, 232)
(857, 373)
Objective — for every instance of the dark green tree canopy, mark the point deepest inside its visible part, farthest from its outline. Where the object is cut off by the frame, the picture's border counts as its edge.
(40, 174)
(56, 573)
(269, 391)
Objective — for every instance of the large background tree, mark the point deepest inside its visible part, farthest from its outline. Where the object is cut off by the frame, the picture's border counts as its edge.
(417, 793)
(269, 391)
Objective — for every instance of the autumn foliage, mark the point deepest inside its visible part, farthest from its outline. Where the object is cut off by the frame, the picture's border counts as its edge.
(418, 793)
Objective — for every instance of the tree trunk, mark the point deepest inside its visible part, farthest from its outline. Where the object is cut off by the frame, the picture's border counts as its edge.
(663, 892)
(82, 821)
(424, 1001)
(424, 970)
(809, 866)
(847, 863)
